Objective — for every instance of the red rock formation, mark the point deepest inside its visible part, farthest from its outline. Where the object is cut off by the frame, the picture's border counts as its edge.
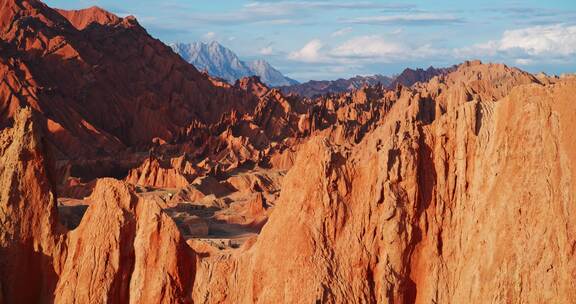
(177, 172)
(83, 18)
(100, 81)
(201, 188)
(125, 250)
(28, 216)
(453, 206)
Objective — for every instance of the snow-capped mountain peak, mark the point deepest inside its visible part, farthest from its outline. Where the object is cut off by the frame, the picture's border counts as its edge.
(221, 62)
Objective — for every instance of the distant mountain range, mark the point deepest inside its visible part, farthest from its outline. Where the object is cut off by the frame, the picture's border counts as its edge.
(321, 87)
(407, 78)
(221, 62)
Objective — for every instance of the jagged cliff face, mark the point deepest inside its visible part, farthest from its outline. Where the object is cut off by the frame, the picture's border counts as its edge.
(456, 190)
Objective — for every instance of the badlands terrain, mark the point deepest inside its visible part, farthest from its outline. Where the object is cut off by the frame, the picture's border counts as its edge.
(128, 176)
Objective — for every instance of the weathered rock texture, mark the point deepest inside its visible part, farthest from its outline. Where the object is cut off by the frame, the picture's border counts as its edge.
(463, 194)
(28, 216)
(125, 250)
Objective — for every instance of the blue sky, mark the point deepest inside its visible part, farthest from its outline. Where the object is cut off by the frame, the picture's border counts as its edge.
(323, 39)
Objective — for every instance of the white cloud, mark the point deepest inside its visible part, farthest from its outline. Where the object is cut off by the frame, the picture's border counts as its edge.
(367, 47)
(209, 36)
(528, 45)
(309, 53)
(523, 47)
(362, 50)
(342, 32)
(554, 39)
(266, 50)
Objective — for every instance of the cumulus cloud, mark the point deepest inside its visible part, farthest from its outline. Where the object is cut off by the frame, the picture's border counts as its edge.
(362, 49)
(555, 39)
(552, 42)
(528, 46)
(523, 61)
(309, 53)
(367, 47)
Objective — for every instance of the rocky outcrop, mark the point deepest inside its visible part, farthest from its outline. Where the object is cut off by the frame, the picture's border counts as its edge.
(177, 172)
(125, 250)
(29, 234)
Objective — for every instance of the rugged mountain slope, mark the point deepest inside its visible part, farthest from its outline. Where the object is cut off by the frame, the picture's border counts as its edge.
(221, 62)
(217, 60)
(29, 234)
(101, 82)
(85, 17)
